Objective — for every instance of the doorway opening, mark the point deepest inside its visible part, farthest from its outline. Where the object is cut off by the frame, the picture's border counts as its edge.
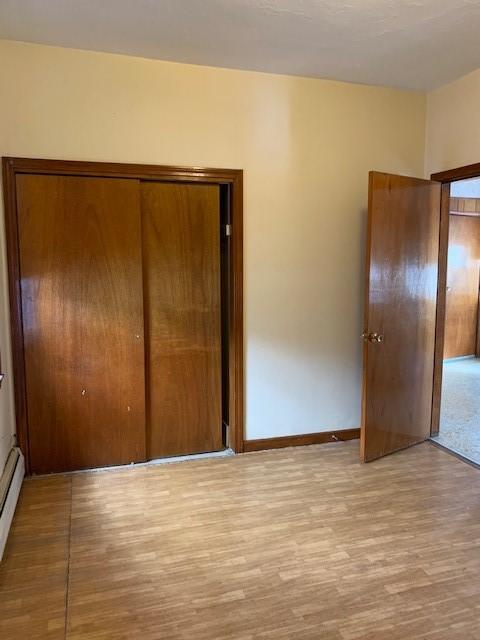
(457, 425)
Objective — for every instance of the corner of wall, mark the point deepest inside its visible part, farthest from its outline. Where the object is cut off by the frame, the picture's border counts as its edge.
(426, 138)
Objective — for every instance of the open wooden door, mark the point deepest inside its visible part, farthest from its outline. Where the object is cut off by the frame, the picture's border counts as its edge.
(400, 313)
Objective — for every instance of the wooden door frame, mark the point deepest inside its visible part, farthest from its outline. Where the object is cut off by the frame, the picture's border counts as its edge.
(445, 178)
(232, 177)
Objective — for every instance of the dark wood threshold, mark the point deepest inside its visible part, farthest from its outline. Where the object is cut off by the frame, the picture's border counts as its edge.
(301, 440)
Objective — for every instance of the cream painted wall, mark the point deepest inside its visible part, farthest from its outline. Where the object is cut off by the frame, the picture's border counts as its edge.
(306, 147)
(453, 124)
(7, 416)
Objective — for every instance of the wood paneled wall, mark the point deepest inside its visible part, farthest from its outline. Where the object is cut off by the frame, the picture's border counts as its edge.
(462, 279)
(466, 206)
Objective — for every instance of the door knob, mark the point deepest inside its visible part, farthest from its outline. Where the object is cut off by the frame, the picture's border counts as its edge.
(373, 337)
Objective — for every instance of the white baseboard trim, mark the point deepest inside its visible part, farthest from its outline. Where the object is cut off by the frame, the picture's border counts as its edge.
(8, 509)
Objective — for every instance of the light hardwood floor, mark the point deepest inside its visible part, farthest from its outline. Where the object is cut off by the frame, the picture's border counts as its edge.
(301, 543)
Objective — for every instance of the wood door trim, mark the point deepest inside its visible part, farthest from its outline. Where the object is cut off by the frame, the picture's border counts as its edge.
(441, 307)
(233, 177)
(445, 177)
(122, 170)
(460, 173)
(477, 337)
(366, 280)
(301, 440)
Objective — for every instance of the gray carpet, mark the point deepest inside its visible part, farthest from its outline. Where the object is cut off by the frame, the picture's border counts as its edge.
(460, 410)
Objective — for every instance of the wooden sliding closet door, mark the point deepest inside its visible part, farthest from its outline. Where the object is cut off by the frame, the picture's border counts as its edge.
(181, 266)
(81, 288)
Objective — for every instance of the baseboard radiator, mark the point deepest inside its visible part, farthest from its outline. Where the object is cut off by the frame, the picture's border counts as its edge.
(10, 485)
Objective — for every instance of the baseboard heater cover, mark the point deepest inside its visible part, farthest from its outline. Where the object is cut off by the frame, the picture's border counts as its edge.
(10, 485)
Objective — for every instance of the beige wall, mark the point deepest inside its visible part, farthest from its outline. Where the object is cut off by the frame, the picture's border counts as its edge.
(306, 147)
(7, 420)
(453, 124)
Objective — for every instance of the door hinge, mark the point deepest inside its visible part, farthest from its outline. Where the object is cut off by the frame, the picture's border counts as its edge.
(228, 230)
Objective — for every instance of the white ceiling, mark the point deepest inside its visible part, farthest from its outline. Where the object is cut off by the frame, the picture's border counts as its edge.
(417, 44)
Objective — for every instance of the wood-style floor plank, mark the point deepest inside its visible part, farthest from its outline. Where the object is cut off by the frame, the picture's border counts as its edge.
(34, 570)
(296, 544)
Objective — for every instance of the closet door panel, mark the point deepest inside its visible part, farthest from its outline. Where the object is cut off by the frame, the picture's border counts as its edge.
(181, 267)
(82, 307)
